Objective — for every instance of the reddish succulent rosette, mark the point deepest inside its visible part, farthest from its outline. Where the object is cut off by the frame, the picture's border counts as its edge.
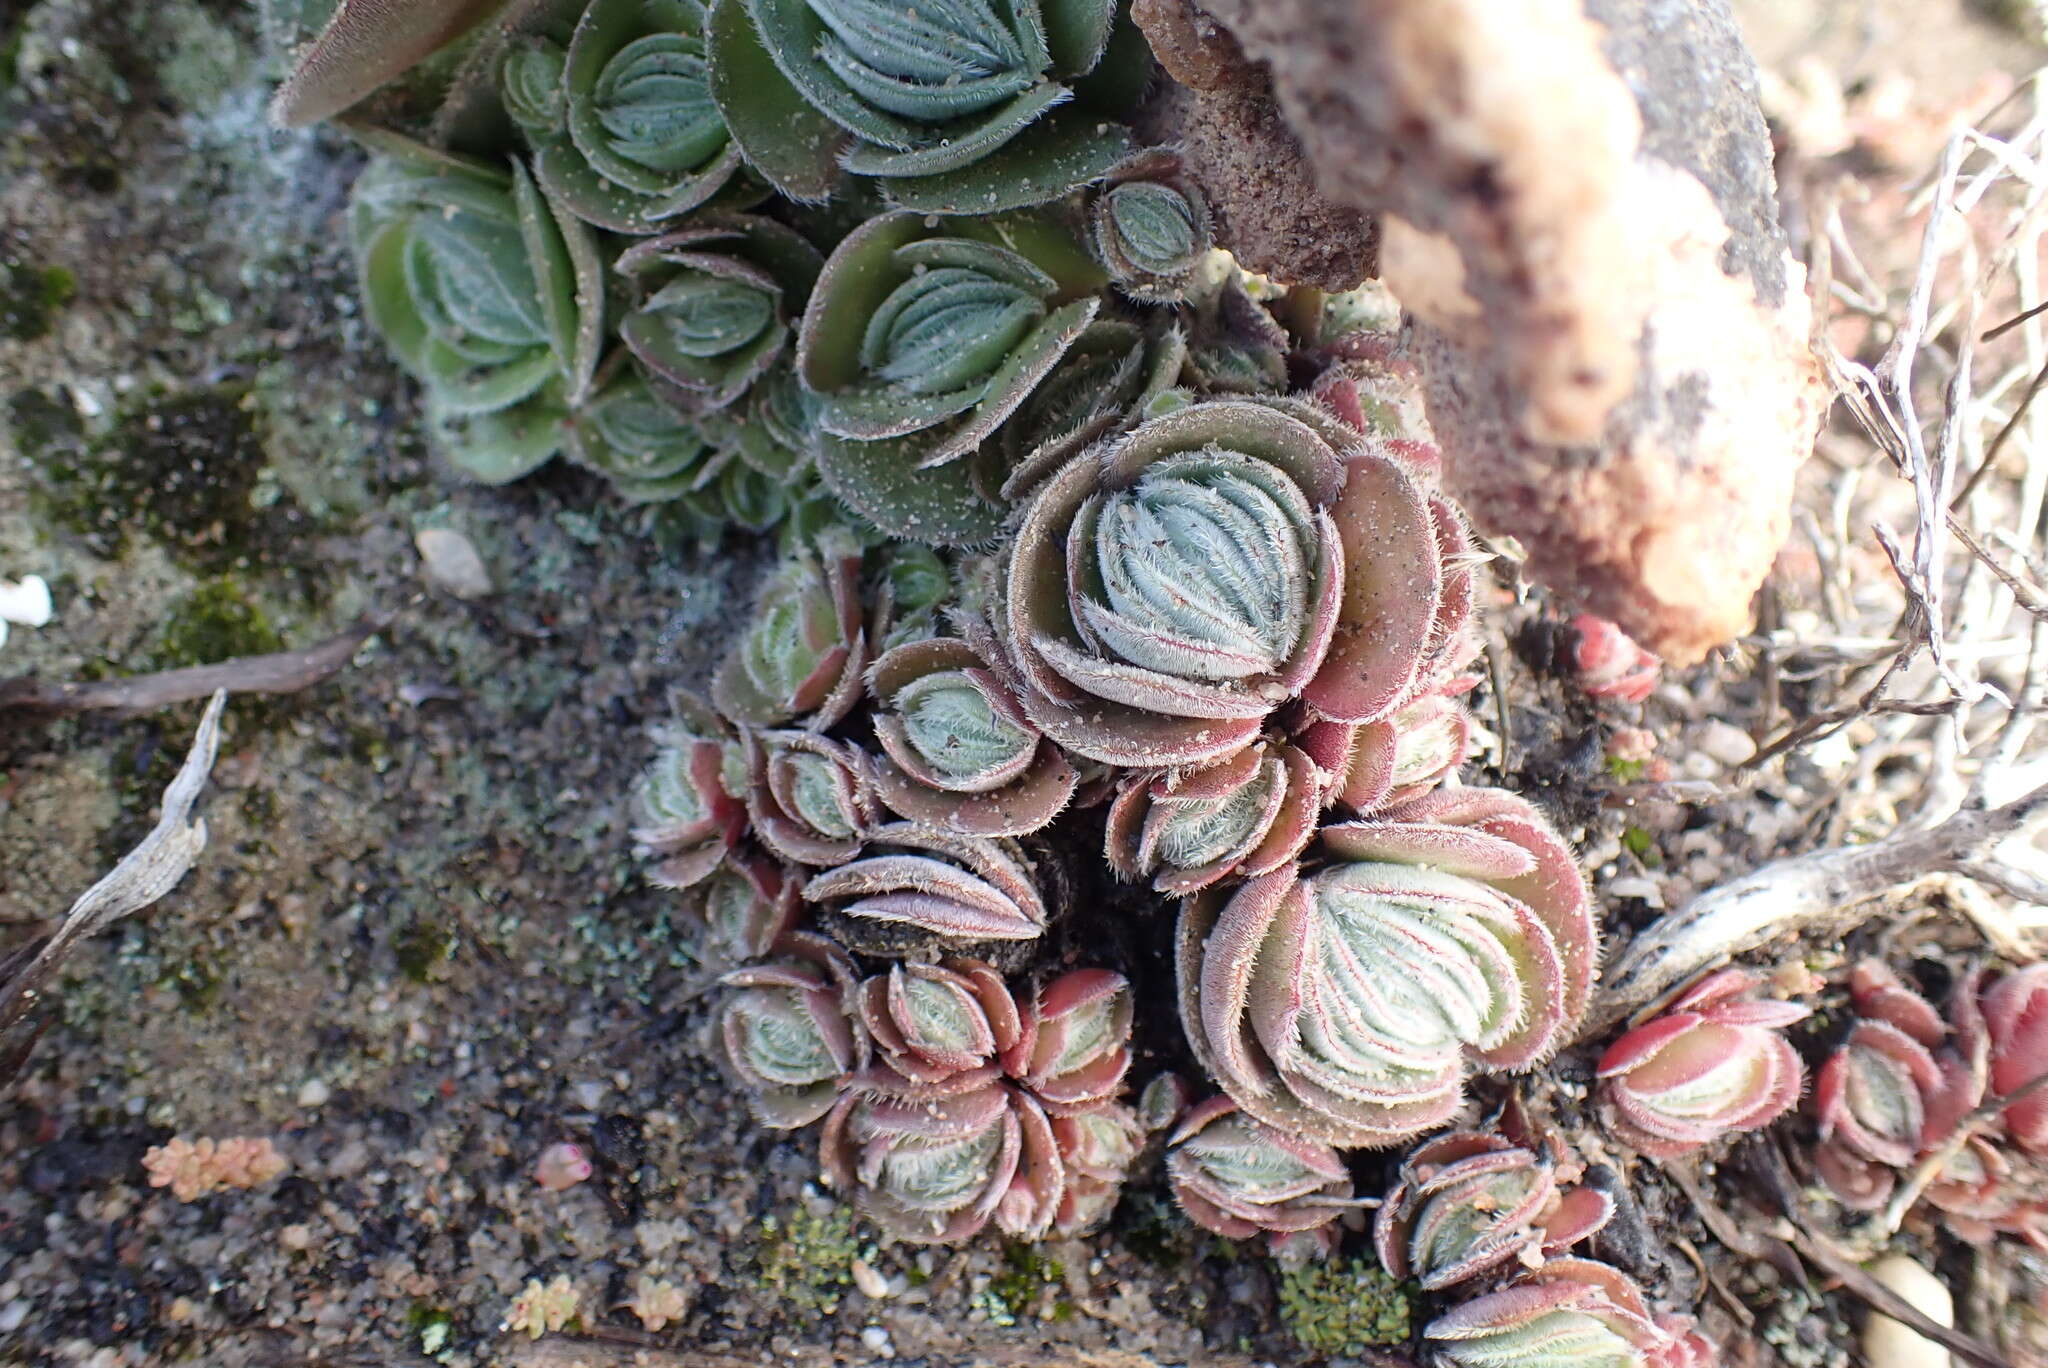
(1570, 1311)
(1383, 764)
(1167, 591)
(788, 1031)
(804, 649)
(1345, 1003)
(958, 753)
(1241, 817)
(745, 907)
(1241, 1178)
(1471, 1202)
(1608, 664)
(1712, 1064)
(811, 799)
(691, 813)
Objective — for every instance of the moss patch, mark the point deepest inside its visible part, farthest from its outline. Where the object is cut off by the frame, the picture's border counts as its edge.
(31, 298)
(806, 1259)
(214, 622)
(1345, 1307)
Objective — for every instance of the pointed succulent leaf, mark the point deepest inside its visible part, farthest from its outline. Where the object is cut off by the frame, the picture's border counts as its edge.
(367, 43)
(1347, 1005)
(1469, 1202)
(783, 138)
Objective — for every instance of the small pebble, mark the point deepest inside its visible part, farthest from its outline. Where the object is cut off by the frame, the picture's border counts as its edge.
(1888, 1344)
(451, 563)
(1725, 742)
(562, 1165)
(877, 1341)
(313, 1093)
(871, 1283)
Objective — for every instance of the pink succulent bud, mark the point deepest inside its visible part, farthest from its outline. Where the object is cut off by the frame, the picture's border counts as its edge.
(1239, 1177)
(561, 1165)
(1608, 664)
(745, 907)
(789, 1032)
(966, 888)
(1712, 1064)
(1384, 764)
(1241, 817)
(1346, 1005)
(1567, 1314)
(1469, 1202)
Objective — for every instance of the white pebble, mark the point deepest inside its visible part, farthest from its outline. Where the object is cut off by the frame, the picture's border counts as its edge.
(1888, 1344)
(877, 1341)
(871, 1283)
(313, 1093)
(451, 563)
(1725, 742)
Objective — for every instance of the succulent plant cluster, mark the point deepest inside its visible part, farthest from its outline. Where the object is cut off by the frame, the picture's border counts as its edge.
(1909, 1088)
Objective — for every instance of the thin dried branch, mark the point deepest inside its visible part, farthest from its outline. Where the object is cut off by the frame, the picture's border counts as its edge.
(148, 872)
(276, 673)
(1793, 896)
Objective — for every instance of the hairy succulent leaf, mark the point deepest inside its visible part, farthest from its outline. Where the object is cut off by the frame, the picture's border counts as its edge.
(1242, 817)
(934, 1023)
(1345, 1005)
(690, 810)
(957, 887)
(788, 1031)
(1571, 1313)
(646, 449)
(530, 83)
(367, 43)
(811, 799)
(1150, 223)
(1469, 1202)
(745, 906)
(802, 654)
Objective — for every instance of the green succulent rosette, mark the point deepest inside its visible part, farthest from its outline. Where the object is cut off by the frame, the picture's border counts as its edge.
(1149, 225)
(922, 337)
(956, 106)
(486, 291)
(719, 300)
(648, 451)
(622, 123)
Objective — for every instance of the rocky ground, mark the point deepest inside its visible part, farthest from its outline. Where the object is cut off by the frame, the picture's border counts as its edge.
(417, 949)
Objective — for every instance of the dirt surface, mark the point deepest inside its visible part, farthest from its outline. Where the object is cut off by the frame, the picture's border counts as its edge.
(418, 950)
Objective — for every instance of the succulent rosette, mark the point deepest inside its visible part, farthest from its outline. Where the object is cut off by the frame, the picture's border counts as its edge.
(1347, 1003)
(1166, 592)
(1571, 1313)
(717, 304)
(2014, 1009)
(958, 754)
(1241, 817)
(802, 653)
(1395, 760)
(788, 1030)
(691, 813)
(921, 338)
(623, 126)
(980, 1109)
(1149, 223)
(1240, 1178)
(1712, 1064)
(744, 907)
(962, 888)
(955, 104)
(1470, 1202)
(486, 292)
(648, 451)
(811, 799)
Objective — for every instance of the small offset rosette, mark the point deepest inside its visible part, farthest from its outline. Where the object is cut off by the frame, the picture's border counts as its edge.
(1378, 765)
(1241, 1178)
(933, 1023)
(801, 655)
(811, 799)
(960, 888)
(1149, 224)
(1242, 817)
(1571, 1313)
(1472, 1202)
(788, 1030)
(958, 754)
(1712, 1064)
(691, 812)
(1347, 1004)
(745, 907)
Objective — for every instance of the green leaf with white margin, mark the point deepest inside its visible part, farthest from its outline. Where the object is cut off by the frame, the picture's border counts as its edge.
(880, 481)
(1029, 362)
(566, 267)
(946, 149)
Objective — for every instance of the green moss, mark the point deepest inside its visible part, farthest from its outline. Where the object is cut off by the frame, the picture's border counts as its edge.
(1345, 1307)
(1626, 771)
(805, 1260)
(185, 470)
(196, 984)
(1022, 1285)
(1641, 844)
(432, 1324)
(214, 622)
(423, 949)
(31, 297)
